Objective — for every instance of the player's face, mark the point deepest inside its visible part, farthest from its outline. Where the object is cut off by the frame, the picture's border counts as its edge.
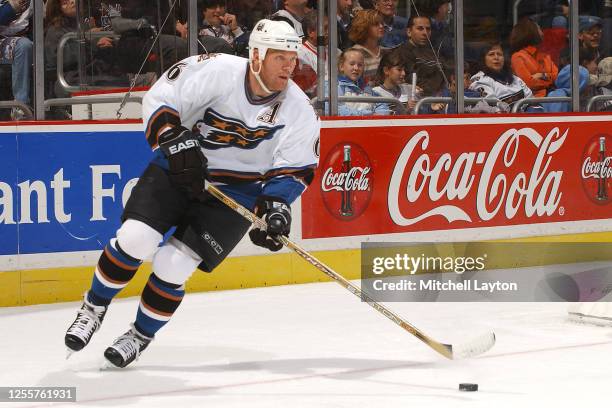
(213, 15)
(353, 64)
(277, 69)
(494, 59)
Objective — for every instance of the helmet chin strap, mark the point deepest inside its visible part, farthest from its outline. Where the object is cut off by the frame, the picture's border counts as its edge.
(258, 78)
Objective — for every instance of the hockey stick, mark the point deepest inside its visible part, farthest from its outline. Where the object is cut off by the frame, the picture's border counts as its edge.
(470, 349)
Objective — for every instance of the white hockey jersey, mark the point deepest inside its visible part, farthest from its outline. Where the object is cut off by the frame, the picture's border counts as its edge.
(508, 93)
(271, 141)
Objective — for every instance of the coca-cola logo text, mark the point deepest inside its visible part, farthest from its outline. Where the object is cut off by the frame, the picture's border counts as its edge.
(596, 169)
(347, 181)
(355, 180)
(497, 191)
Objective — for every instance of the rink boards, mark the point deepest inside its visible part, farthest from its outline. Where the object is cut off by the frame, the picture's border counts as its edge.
(63, 186)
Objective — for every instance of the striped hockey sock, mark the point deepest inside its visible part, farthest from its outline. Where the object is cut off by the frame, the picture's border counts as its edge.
(158, 302)
(114, 270)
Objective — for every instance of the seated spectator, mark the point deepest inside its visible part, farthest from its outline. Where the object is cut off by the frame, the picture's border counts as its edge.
(367, 31)
(293, 12)
(395, 26)
(419, 57)
(495, 80)
(442, 36)
(588, 59)
(534, 67)
(16, 49)
(305, 72)
(603, 86)
(217, 23)
(554, 40)
(480, 107)
(391, 80)
(563, 88)
(136, 22)
(248, 12)
(344, 16)
(351, 83)
(560, 20)
(590, 30)
(60, 20)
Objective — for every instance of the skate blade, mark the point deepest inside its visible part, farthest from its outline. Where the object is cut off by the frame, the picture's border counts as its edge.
(69, 353)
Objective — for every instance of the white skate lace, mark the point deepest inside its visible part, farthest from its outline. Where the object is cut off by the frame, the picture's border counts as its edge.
(86, 324)
(129, 344)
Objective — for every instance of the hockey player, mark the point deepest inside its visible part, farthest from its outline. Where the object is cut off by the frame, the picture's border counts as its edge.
(240, 124)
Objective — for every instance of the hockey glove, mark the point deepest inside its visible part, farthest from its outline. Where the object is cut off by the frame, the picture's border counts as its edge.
(188, 167)
(277, 214)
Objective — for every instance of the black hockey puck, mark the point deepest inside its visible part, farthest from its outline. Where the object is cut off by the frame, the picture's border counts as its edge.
(468, 387)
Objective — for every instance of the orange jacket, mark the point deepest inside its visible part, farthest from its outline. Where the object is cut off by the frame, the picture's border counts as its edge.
(529, 61)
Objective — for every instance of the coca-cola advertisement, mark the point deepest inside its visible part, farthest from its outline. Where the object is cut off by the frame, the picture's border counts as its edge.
(378, 180)
(346, 183)
(597, 169)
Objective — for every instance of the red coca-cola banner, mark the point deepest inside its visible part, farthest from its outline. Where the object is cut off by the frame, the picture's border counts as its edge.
(388, 179)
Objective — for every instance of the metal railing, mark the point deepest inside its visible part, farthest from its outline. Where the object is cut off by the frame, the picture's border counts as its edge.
(596, 99)
(372, 99)
(447, 99)
(533, 101)
(16, 104)
(73, 36)
(89, 100)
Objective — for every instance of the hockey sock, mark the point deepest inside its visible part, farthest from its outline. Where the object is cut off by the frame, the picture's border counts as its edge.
(159, 301)
(114, 270)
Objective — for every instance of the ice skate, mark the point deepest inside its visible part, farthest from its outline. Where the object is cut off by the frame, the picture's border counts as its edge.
(127, 348)
(88, 321)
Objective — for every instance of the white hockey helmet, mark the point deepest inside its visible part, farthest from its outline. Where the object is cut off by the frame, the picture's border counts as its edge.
(277, 35)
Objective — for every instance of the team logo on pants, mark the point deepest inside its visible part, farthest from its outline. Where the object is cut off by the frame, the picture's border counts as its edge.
(220, 132)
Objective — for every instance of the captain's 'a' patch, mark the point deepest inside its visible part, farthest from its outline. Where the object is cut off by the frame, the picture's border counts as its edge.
(269, 116)
(228, 132)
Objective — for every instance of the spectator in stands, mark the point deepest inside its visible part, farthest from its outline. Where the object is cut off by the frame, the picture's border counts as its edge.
(391, 79)
(419, 57)
(563, 86)
(442, 37)
(219, 24)
(480, 107)
(603, 86)
(562, 17)
(351, 83)
(395, 26)
(367, 31)
(554, 39)
(534, 67)
(293, 12)
(344, 17)
(590, 30)
(60, 20)
(250, 11)
(16, 49)
(495, 80)
(305, 73)
(138, 23)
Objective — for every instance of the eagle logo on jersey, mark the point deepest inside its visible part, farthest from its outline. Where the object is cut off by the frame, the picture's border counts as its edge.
(227, 132)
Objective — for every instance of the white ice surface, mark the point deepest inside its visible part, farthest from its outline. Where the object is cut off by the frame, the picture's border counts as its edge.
(315, 345)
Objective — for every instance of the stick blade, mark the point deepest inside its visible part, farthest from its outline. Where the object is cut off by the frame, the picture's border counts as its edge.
(475, 347)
